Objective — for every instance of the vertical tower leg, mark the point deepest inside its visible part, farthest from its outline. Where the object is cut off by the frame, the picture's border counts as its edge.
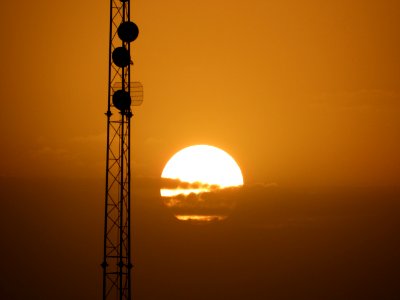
(117, 263)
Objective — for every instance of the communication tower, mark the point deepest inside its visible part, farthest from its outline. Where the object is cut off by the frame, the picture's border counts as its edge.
(122, 94)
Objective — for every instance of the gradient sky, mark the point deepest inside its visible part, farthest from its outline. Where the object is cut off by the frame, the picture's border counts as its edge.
(302, 94)
(297, 93)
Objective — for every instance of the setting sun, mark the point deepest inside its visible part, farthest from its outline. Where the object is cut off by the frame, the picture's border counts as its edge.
(207, 165)
(199, 171)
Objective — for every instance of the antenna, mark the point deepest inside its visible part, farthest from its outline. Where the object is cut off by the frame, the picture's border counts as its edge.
(136, 92)
(122, 94)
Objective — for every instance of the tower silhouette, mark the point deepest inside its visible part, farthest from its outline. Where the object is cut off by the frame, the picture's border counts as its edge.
(122, 94)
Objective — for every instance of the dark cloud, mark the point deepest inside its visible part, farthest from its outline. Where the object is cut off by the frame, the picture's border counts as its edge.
(168, 183)
(216, 202)
(281, 243)
(278, 243)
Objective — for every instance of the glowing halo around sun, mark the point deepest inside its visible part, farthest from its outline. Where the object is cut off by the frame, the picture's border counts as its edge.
(198, 174)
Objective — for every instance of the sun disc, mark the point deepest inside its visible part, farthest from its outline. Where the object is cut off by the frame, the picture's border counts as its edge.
(202, 169)
(205, 164)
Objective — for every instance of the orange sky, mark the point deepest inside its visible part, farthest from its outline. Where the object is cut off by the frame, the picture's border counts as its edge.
(300, 93)
(297, 92)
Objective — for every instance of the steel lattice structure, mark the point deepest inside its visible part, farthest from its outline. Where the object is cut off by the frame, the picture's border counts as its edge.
(117, 263)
